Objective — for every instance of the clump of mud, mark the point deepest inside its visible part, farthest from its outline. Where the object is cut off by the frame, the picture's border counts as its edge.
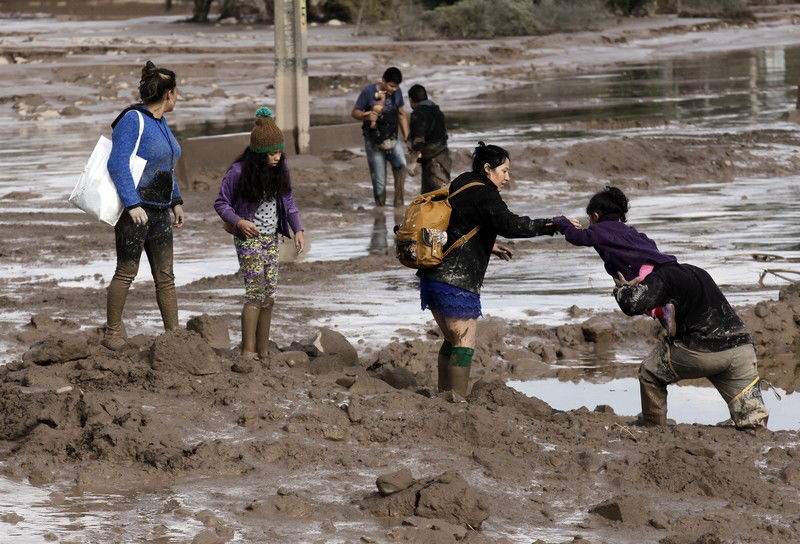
(315, 415)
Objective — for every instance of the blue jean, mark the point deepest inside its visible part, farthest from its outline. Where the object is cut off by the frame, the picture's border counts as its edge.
(377, 159)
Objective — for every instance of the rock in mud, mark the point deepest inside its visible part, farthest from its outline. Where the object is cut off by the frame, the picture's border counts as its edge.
(58, 348)
(11, 517)
(325, 364)
(331, 342)
(184, 351)
(399, 378)
(493, 394)
(213, 329)
(447, 497)
(291, 358)
(281, 505)
(597, 329)
(394, 482)
(354, 411)
(628, 510)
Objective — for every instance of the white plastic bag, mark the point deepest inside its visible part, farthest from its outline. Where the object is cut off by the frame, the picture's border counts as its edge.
(95, 192)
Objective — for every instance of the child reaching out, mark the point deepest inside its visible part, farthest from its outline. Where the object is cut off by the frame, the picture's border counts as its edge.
(377, 107)
(255, 201)
(625, 251)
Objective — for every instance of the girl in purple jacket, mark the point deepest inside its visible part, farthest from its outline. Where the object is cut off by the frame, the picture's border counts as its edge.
(255, 202)
(625, 251)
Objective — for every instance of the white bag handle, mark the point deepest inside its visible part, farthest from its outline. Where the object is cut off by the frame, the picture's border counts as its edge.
(136, 179)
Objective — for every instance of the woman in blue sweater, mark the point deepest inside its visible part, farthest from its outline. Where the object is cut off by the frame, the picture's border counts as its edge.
(146, 224)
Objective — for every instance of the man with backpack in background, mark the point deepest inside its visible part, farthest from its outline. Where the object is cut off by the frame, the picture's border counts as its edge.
(381, 142)
(427, 141)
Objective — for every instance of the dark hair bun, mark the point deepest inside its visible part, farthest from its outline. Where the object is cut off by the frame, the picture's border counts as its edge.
(155, 83)
(492, 155)
(149, 70)
(618, 197)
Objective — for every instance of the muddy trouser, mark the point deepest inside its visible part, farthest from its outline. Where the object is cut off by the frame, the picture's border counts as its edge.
(435, 172)
(377, 159)
(155, 238)
(258, 262)
(734, 372)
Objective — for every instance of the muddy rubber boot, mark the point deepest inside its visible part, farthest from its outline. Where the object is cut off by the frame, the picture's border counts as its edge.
(654, 404)
(399, 186)
(250, 313)
(459, 379)
(167, 302)
(380, 200)
(114, 334)
(262, 329)
(458, 370)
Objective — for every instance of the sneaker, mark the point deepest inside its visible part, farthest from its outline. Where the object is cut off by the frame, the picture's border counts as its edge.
(667, 319)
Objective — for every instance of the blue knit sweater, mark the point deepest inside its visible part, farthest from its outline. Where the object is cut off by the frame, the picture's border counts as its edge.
(158, 187)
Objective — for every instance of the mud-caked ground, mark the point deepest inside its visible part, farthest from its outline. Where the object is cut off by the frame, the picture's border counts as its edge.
(174, 439)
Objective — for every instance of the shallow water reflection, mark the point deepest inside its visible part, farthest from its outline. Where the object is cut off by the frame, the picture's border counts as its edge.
(686, 403)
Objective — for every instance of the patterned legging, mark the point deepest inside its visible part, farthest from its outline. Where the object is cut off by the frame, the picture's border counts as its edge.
(258, 261)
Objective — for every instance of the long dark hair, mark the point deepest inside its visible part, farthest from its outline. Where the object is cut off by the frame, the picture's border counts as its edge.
(259, 181)
(609, 201)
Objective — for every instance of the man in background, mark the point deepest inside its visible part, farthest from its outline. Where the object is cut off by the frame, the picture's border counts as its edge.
(427, 140)
(380, 133)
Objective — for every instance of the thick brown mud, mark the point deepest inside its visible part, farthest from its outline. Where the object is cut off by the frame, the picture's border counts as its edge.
(330, 442)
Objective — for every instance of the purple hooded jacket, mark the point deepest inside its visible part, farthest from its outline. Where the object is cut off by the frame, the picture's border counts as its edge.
(231, 207)
(622, 247)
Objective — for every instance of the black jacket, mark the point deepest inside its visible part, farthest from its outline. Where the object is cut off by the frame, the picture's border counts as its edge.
(704, 318)
(427, 132)
(465, 267)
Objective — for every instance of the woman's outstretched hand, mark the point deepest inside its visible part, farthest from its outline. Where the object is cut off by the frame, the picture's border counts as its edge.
(504, 252)
(299, 241)
(575, 222)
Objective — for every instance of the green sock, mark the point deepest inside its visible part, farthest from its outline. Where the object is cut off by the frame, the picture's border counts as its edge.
(461, 356)
(446, 349)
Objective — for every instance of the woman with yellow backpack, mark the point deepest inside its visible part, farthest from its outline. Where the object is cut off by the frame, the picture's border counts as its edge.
(451, 290)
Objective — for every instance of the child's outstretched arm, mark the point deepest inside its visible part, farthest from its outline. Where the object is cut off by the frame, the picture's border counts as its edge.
(574, 235)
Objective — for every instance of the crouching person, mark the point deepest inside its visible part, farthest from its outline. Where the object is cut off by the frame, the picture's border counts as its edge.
(711, 341)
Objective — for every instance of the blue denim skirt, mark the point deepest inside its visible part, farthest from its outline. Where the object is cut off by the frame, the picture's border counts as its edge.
(448, 300)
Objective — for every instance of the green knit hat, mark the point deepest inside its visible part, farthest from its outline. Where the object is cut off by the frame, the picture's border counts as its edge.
(265, 136)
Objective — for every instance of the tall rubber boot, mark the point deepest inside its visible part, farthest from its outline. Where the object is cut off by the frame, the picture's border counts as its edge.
(114, 337)
(399, 186)
(458, 370)
(262, 329)
(654, 404)
(168, 305)
(250, 313)
(459, 379)
(443, 365)
(380, 200)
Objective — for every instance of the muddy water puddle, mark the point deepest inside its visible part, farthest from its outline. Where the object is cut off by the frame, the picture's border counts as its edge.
(686, 403)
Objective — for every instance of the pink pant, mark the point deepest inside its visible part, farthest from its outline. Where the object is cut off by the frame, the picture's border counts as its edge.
(644, 271)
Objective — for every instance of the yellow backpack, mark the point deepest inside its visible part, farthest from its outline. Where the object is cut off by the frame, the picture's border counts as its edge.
(422, 235)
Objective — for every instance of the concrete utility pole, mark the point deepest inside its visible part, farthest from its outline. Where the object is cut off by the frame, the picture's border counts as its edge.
(291, 71)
